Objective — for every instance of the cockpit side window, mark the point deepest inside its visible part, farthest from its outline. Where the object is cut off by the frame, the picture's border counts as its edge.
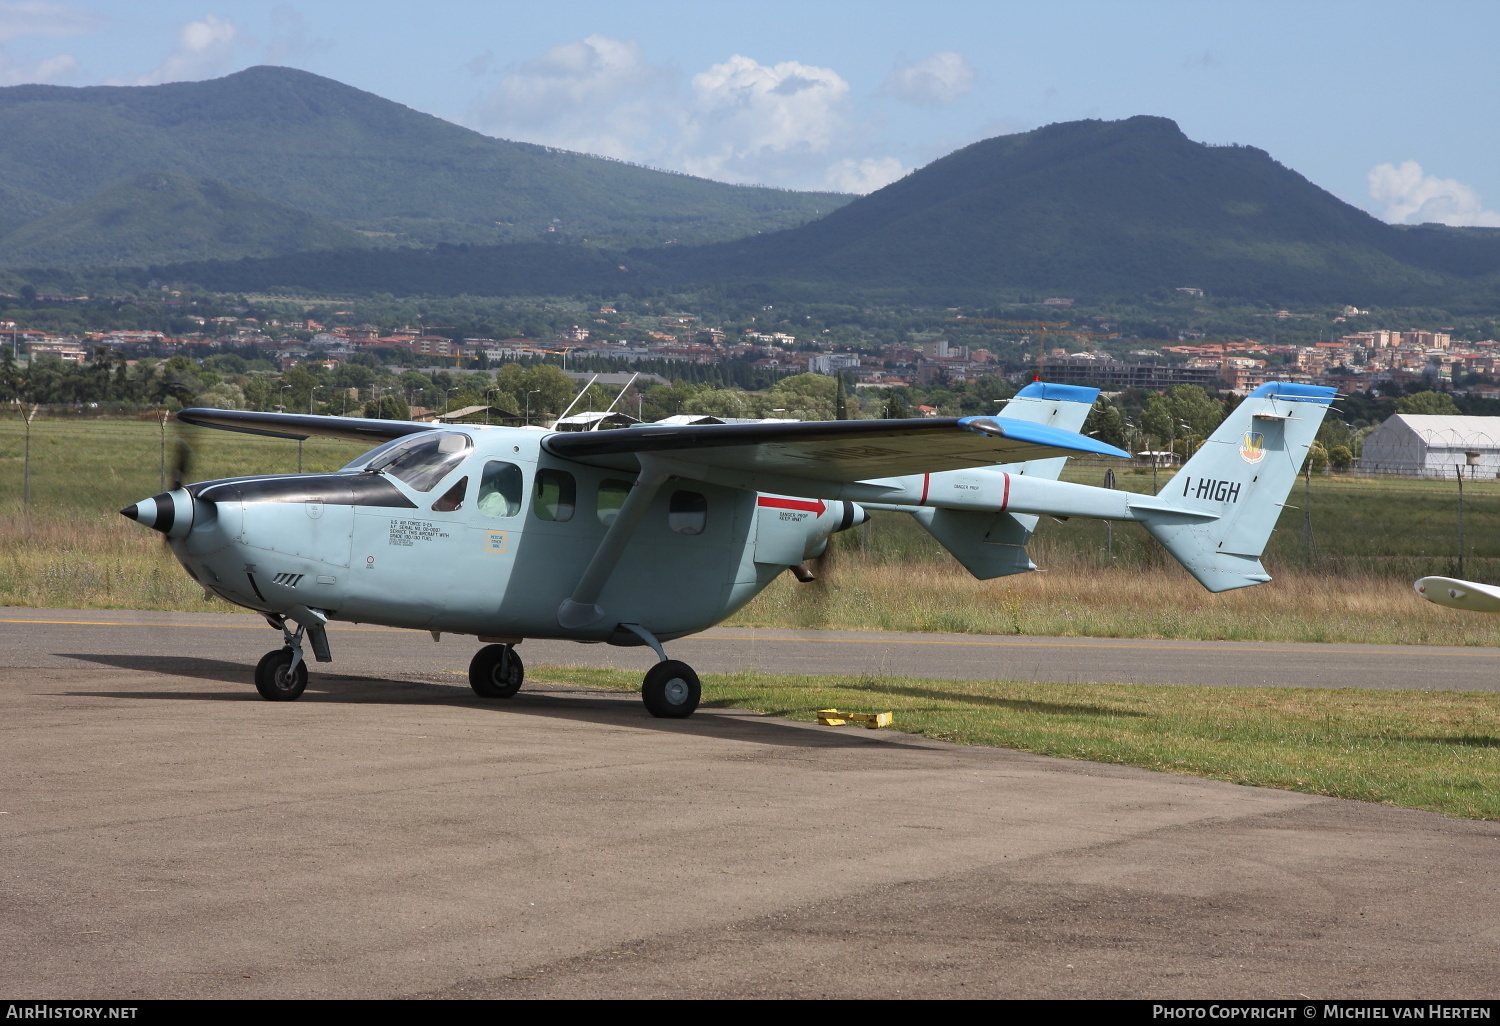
(424, 460)
(453, 498)
(500, 489)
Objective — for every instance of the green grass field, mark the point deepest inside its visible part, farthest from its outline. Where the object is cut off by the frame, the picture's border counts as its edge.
(1435, 750)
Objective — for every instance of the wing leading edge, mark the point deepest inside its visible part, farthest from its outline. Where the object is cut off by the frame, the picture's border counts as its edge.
(303, 425)
(841, 450)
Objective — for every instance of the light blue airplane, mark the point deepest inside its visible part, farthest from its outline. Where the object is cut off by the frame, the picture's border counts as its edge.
(641, 535)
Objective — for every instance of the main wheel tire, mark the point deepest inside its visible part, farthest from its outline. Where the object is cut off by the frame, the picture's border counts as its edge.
(671, 690)
(496, 671)
(276, 680)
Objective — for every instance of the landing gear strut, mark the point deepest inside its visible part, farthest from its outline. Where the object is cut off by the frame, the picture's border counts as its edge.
(671, 689)
(496, 671)
(281, 674)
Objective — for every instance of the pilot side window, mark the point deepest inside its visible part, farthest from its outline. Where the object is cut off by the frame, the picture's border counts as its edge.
(611, 498)
(687, 513)
(500, 489)
(556, 495)
(453, 498)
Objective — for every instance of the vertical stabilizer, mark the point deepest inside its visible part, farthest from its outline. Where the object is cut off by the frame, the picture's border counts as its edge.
(1229, 495)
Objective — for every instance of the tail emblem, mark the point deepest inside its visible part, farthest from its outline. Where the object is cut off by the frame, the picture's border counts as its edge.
(1252, 447)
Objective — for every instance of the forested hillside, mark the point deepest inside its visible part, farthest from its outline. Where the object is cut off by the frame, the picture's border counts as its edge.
(338, 153)
(1096, 207)
(156, 216)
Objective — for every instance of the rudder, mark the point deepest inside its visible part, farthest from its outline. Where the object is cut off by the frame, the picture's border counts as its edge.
(1229, 495)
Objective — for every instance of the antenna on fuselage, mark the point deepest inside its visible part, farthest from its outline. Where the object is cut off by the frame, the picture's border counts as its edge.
(595, 425)
(581, 393)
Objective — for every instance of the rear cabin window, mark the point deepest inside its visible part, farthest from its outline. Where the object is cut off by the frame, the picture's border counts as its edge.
(556, 495)
(611, 498)
(500, 489)
(687, 513)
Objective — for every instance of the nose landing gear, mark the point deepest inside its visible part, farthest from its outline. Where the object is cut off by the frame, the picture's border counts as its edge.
(281, 674)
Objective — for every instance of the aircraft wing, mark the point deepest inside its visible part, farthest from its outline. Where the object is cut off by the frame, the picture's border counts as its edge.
(303, 425)
(836, 450)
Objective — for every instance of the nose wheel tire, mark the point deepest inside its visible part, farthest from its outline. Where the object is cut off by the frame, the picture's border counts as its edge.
(671, 690)
(496, 671)
(276, 680)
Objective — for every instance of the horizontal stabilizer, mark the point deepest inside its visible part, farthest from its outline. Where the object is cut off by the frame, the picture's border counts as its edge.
(988, 545)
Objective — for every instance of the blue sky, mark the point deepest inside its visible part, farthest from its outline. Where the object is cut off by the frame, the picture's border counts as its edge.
(1390, 105)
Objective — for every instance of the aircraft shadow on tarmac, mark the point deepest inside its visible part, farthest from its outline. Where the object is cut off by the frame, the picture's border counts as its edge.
(1015, 704)
(605, 709)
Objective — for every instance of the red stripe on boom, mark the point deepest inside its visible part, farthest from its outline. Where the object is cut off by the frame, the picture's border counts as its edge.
(926, 480)
(802, 504)
(1005, 499)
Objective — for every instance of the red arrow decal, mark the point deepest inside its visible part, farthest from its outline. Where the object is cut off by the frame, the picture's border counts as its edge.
(775, 502)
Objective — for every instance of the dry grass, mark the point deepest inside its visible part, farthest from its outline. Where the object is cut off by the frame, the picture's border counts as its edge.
(1093, 601)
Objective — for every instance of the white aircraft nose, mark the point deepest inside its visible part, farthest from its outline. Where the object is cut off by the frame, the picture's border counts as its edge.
(143, 512)
(171, 513)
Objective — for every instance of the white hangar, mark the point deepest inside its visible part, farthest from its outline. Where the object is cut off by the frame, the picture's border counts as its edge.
(1420, 445)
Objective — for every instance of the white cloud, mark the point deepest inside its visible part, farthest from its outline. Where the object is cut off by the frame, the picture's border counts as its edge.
(749, 122)
(52, 69)
(599, 95)
(862, 176)
(738, 121)
(39, 18)
(204, 49)
(933, 81)
(1412, 197)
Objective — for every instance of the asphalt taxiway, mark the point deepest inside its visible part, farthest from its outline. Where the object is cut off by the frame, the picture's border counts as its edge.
(60, 637)
(165, 833)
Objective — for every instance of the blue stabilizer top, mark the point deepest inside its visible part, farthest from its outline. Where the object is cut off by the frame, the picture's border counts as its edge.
(1294, 393)
(1065, 393)
(1042, 434)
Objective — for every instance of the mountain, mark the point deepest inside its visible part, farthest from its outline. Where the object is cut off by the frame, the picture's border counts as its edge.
(162, 216)
(349, 156)
(1121, 207)
(1087, 209)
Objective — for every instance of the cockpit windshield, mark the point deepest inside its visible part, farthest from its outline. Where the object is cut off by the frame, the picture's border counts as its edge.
(420, 460)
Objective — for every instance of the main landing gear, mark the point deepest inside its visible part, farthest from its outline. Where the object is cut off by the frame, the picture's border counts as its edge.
(670, 690)
(496, 671)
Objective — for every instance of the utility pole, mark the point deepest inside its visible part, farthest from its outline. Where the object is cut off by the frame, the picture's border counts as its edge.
(26, 459)
(1459, 470)
(1307, 531)
(1109, 525)
(161, 416)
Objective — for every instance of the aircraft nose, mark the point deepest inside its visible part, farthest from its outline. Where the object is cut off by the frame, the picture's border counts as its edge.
(171, 513)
